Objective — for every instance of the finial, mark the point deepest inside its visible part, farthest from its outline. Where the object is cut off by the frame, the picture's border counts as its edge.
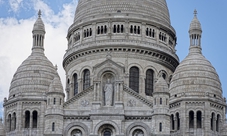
(195, 13)
(39, 13)
(56, 67)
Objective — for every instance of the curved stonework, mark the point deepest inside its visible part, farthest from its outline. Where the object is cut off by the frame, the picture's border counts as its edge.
(76, 125)
(138, 125)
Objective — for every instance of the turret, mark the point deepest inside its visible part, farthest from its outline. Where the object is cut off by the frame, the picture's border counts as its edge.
(161, 108)
(54, 112)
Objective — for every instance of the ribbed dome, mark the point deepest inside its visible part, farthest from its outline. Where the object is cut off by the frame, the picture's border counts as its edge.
(161, 85)
(148, 9)
(33, 76)
(195, 76)
(39, 25)
(56, 85)
(195, 24)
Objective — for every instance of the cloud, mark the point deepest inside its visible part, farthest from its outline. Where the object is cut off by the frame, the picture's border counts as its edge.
(16, 39)
(15, 4)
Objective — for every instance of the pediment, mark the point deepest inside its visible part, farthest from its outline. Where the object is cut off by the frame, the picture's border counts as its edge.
(133, 99)
(81, 100)
(108, 65)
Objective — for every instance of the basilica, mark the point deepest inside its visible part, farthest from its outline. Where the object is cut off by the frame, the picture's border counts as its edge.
(123, 78)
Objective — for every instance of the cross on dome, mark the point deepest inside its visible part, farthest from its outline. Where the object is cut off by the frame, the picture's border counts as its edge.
(39, 13)
(195, 12)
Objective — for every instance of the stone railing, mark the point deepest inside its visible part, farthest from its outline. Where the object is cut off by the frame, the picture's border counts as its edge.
(79, 95)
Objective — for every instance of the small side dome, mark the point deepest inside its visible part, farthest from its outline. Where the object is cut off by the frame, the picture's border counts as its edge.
(39, 25)
(195, 24)
(56, 85)
(161, 85)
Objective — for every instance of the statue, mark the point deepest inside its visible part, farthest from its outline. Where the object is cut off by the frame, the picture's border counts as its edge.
(108, 91)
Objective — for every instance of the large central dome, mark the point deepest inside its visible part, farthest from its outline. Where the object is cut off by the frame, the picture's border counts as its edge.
(156, 10)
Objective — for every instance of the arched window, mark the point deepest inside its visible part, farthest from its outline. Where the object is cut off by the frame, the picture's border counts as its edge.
(122, 28)
(160, 127)
(138, 31)
(172, 122)
(60, 102)
(212, 121)
(27, 119)
(107, 132)
(102, 30)
(153, 33)
(105, 29)
(178, 121)
(85, 34)
(114, 29)
(75, 79)
(54, 101)
(34, 119)
(10, 122)
(138, 132)
(147, 32)
(131, 29)
(134, 79)
(118, 28)
(134, 29)
(14, 121)
(160, 101)
(199, 119)
(98, 32)
(90, 32)
(217, 123)
(191, 119)
(53, 126)
(149, 82)
(76, 132)
(86, 79)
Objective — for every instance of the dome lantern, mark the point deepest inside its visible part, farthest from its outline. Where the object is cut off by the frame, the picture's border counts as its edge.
(38, 34)
(195, 32)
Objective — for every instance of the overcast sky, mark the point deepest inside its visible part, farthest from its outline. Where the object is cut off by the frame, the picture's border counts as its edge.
(17, 18)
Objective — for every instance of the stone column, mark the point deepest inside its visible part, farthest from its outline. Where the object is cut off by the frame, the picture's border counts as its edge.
(195, 121)
(99, 91)
(30, 123)
(175, 123)
(143, 29)
(117, 85)
(95, 91)
(121, 91)
(157, 35)
(81, 34)
(80, 85)
(214, 123)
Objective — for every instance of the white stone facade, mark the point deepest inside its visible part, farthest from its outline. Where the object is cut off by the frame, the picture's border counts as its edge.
(129, 45)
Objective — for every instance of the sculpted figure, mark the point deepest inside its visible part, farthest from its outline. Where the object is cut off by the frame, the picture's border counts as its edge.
(108, 91)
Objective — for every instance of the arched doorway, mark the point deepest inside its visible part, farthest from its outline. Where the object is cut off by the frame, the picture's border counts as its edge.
(107, 130)
(76, 132)
(138, 132)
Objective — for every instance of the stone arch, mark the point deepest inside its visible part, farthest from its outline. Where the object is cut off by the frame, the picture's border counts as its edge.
(100, 124)
(135, 125)
(102, 72)
(80, 73)
(152, 68)
(71, 75)
(141, 70)
(76, 125)
(161, 72)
